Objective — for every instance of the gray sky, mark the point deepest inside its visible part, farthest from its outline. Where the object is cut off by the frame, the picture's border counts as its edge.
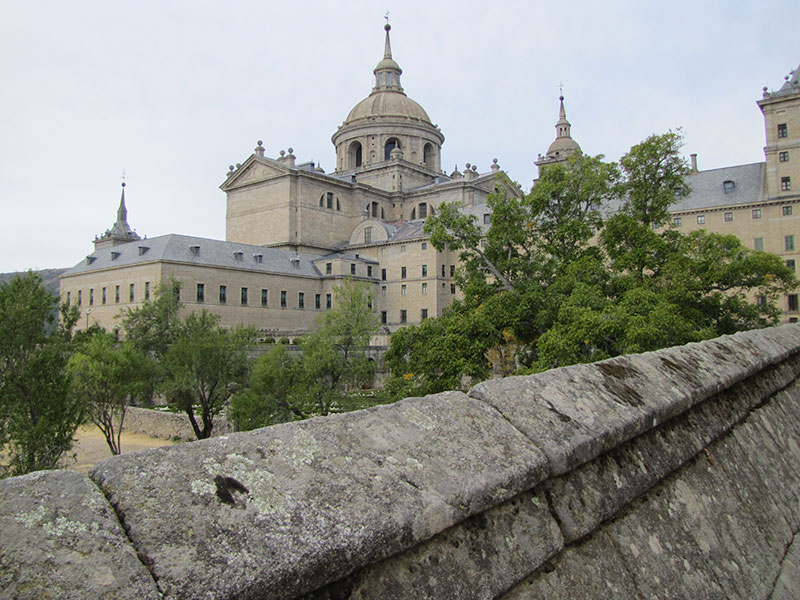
(174, 92)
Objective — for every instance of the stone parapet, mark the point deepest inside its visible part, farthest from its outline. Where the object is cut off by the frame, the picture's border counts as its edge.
(671, 474)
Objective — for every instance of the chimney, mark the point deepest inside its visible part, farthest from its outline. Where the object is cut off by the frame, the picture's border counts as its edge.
(693, 158)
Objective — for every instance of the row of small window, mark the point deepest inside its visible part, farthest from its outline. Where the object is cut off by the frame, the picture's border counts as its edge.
(788, 244)
(104, 294)
(424, 289)
(424, 271)
(244, 297)
(329, 269)
(786, 211)
(423, 314)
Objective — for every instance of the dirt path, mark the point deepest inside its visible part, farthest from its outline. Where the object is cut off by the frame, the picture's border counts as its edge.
(91, 447)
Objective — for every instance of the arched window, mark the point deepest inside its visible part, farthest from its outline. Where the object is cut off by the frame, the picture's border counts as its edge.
(391, 144)
(427, 156)
(322, 201)
(355, 155)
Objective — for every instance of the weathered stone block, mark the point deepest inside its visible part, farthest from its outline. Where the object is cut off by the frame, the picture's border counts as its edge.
(478, 558)
(59, 538)
(576, 413)
(591, 569)
(281, 511)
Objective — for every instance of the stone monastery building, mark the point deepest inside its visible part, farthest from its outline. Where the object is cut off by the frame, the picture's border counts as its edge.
(293, 231)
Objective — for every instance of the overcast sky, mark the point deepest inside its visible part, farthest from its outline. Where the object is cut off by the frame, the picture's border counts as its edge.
(174, 92)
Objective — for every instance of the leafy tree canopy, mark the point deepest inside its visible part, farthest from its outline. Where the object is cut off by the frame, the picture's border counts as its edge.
(558, 283)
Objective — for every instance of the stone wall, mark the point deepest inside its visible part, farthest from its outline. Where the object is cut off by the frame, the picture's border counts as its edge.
(673, 474)
(168, 425)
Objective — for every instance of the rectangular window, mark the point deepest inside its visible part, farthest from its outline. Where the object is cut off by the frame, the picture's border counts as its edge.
(369, 303)
(369, 270)
(201, 292)
(792, 300)
(728, 217)
(486, 218)
(367, 235)
(104, 295)
(383, 317)
(783, 156)
(483, 242)
(788, 242)
(423, 314)
(786, 184)
(424, 288)
(677, 221)
(80, 297)
(758, 244)
(761, 300)
(131, 292)
(91, 297)
(244, 296)
(283, 298)
(353, 269)
(452, 288)
(383, 274)
(116, 294)
(328, 268)
(423, 210)
(403, 316)
(383, 291)
(443, 271)
(147, 290)
(424, 270)
(402, 272)
(264, 297)
(756, 213)
(318, 301)
(786, 211)
(301, 300)
(791, 264)
(701, 219)
(403, 290)
(68, 297)
(223, 294)
(328, 301)
(452, 270)
(424, 245)
(783, 130)
(330, 199)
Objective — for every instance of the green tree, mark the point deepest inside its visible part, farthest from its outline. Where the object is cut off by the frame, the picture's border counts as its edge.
(153, 326)
(108, 376)
(204, 366)
(333, 363)
(38, 417)
(553, 280)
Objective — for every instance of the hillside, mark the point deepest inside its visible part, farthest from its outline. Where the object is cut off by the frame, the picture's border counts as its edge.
(49, 278)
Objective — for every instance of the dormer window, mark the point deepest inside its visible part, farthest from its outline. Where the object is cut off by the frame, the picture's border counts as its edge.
(728, 186)
(115, 255)
(195, 250)
(143, 250)
(90, 259)
(259, 258)
(238, 255)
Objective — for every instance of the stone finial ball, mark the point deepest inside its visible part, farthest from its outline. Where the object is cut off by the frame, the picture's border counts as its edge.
(387, 27)
(291, 150)
(468, 165)
(260, 142)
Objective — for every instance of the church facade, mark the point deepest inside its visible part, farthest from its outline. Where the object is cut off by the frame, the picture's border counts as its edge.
(293, 231)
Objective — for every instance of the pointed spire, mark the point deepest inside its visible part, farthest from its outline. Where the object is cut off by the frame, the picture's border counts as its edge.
(122, 212)
(387, 49)
(387, 72)
(562, 126)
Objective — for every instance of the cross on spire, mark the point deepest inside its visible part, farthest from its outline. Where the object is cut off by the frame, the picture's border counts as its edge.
(386, 16)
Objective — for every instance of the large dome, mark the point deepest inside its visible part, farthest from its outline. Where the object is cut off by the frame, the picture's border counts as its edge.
(387, 104)
(562, 145)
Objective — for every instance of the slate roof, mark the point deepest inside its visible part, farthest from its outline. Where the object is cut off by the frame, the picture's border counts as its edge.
(708, 189)
(212, 253)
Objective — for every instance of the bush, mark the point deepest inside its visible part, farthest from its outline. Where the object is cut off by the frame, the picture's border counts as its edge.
(283, 340)
(298, 340)
(269, 340)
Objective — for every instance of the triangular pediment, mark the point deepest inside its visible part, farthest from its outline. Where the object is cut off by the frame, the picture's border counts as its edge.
(255, 169)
